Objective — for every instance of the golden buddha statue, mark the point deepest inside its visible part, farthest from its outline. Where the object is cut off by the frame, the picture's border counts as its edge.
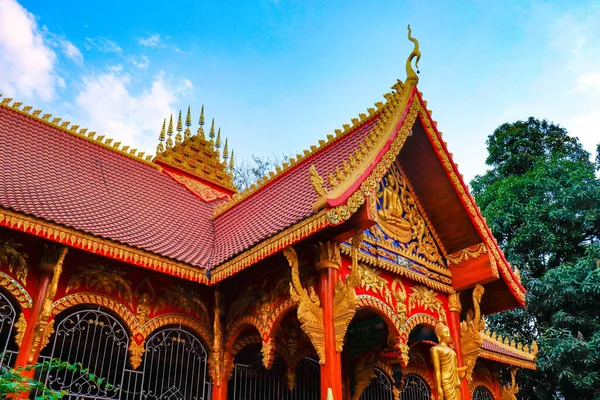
(447, 372)
(390, 214)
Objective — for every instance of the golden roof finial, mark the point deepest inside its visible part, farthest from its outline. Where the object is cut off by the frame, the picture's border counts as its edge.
(160, 148)
(225, 152)
(218, 144)
(188, 123)
(411, 76)
(178, 138)
(231, 162)
(211, 134)
(170, 133)
(201, 122)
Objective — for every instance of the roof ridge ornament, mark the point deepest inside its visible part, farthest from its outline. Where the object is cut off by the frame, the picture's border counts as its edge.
(411, 76)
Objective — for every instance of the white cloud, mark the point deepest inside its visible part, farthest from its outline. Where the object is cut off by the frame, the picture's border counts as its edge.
(142, 63)
(27, 63)
(71, 51)
(103, 44)
(151, 41)
(108, 104)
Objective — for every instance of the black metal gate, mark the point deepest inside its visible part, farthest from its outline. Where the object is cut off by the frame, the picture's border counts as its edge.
(175, 366)
(380, 388)
(254, 382)
(415, 388)
(99, 342)
(481, 393)
(8, 316)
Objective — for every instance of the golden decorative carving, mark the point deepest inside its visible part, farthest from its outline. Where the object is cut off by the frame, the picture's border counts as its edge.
(145, 294)
(467, 253)
(447, 372)
(516, 354)
(470, 333)
(371, 280)
(217, 359)
(317, 181)
(400, 218)
(84, 241)
(426, 298)
(310, 313)
(329, 255)
(12, 255)
(268, 353)
(364, 372)
(345, 300)
(103, 278)
(136, 352)
(52, 259)
(454, 302)
(20, 327)
(410, 72)
(201, 190)
(509, 392)
(15, 288)
(398, 270)
(182, 298)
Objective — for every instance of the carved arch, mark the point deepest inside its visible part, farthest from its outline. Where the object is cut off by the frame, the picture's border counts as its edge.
(17, 290)
(421, 373)
(482, 383)
(383, 310)
(172, 319)
(236, 328)
(239, 344)
(99, 300)
(278, 314)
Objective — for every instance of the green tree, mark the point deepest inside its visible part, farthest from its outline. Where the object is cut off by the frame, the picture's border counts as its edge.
(541, 198)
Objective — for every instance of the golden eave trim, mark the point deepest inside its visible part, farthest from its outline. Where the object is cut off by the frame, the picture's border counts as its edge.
(270, 246)
(505, 359)
(298, 160)
(88, 242)
(64, 127)
(529, 355)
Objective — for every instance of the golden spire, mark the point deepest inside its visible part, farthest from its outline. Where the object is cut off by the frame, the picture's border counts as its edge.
(188, 123)
(201, 122)
(218, 143)
(178, 138)
(211, 134)
(225, 152)
(231, 162)
(160, 148)
(411, 76)
(170, 133)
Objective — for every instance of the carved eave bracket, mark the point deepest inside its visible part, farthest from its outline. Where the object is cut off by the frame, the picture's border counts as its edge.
(471, 330)
(310, 313)
(472, 265)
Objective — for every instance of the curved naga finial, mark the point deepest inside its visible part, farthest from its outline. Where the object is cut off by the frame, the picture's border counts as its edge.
(410, 72)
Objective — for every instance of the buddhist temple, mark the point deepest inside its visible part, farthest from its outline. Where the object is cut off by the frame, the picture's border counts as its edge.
(361, 268)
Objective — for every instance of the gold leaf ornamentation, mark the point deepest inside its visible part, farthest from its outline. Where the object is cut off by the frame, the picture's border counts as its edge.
(12, 255)
(136, 352)
(16, 289)
(184, 299)
(102, 278)
(317, 182)
(427, 299)
(310, 313)
(20, 327)
(471, 330)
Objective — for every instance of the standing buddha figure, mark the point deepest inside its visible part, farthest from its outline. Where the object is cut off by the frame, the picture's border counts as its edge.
(447, 372)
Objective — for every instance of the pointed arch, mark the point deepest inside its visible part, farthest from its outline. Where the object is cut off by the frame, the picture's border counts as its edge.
(383, 310)
(195, 325)
(19, 293)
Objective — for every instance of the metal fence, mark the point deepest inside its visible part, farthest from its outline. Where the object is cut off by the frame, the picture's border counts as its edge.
(254, 382)
(380, 388)
(8, 316)
(415, 388)
(481, 393)
(174, 364)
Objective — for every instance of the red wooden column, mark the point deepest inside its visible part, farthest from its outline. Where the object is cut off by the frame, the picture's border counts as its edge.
(50, 269)
(455, 308)
(331, 372)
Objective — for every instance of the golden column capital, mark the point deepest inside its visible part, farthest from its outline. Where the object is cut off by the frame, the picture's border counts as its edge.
(454, 302)
(329, 256)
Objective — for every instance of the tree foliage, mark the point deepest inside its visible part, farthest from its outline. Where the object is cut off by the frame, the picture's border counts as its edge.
(541, 199)
(248, 172)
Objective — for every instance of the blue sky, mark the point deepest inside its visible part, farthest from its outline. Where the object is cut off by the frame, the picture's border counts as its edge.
(279, 75)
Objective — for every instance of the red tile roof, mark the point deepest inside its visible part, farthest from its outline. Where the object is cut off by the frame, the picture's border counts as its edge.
(59, 177)
(56, 176)
(282, 203)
